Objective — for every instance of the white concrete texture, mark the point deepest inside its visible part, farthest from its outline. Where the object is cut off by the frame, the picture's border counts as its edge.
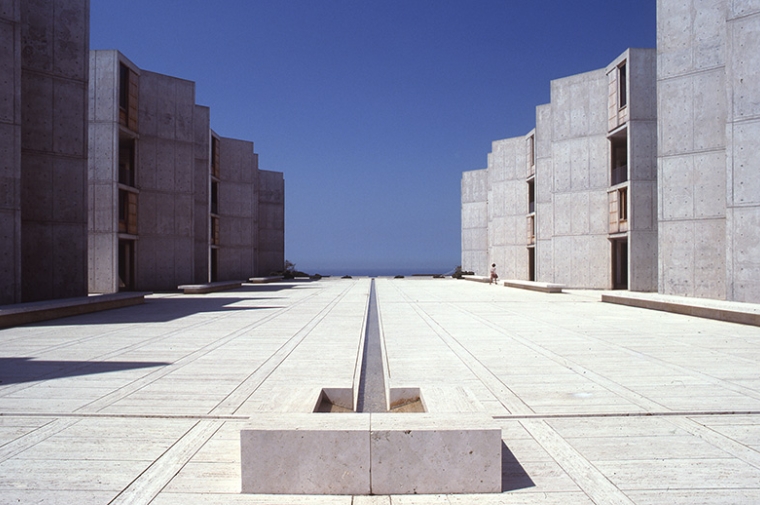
(146, 404)
(707, 121)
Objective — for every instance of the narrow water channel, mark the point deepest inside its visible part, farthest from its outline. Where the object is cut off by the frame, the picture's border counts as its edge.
(371, 396)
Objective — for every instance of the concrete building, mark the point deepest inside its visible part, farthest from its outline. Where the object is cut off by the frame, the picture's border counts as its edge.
(690, 228)
(43, 149)
(708, 85)
(573, 201)
(171, 202)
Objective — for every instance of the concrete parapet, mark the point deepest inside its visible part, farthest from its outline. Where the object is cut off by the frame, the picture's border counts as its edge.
(476, 278)
(34, 312)
(265, 280)
(209, 287)
(732, 312)
(544, 287)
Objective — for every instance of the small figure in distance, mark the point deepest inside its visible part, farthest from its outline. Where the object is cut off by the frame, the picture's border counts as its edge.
(494, 275)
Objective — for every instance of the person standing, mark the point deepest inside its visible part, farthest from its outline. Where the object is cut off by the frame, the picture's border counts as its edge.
(494, 276)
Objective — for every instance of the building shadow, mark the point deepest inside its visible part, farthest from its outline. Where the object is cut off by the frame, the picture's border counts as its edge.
(513, 476)
(20, 370)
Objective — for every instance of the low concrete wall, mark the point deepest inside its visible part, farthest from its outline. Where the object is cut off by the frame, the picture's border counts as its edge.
(26, 313)
(709, 309)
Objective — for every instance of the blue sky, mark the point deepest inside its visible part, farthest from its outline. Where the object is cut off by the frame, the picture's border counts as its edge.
(372, 109)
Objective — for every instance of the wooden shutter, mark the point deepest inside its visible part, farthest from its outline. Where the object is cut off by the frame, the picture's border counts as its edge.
(614, 221)
(612, 101)
(132, 213)
(134, 93)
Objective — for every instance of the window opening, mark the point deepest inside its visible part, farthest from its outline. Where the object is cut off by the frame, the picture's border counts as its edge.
(127, 162)
(622, 86)
(619, 162)
(214, 197)
(531, 197)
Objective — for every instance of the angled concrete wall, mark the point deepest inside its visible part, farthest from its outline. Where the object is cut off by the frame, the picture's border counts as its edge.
(10, 151)
(54, 77)
(103, 171)
(166, 173)
(237, 210)
(202, 200)
(271, 223)
(475, 221)
(580, 251)
(508, 207)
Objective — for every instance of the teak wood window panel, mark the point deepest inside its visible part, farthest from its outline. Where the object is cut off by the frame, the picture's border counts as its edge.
(618, 210)
(214, 231)
(127, 212)
(215, 157)
(129, 91)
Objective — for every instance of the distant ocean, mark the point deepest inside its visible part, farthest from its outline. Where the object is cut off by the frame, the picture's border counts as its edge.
(380, 272)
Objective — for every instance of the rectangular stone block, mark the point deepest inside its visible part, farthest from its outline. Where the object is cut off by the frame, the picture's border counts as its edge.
(306, 454)
(435, 454)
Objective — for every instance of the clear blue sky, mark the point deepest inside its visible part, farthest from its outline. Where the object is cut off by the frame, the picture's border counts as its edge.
(372, 109)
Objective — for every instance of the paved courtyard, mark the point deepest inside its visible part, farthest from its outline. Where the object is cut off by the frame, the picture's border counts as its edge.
(598, 403)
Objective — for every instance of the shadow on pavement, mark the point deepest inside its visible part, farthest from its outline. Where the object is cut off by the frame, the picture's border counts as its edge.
(513, 476)
(19, 370)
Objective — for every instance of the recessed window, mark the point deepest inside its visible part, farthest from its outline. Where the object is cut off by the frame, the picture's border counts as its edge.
(622, 85)
(127, 162)
(215, 157)
(214, 197)
(619, 159)
(128, 93)
(531, 196)
(623, 204)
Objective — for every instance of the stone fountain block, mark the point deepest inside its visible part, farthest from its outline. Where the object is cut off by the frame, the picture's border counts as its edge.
(306, 454)
(360, 454)
(435, 453)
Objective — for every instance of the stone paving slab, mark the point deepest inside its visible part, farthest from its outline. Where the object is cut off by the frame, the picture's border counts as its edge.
(597, 403)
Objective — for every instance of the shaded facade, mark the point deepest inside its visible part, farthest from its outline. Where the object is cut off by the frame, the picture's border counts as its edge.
(43, 149)
(171, 202)
(572, 202)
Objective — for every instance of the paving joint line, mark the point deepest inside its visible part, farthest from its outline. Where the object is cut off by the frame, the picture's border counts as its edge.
(630, 414)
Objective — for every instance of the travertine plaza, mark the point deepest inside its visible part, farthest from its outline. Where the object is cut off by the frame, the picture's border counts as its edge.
(597, 403)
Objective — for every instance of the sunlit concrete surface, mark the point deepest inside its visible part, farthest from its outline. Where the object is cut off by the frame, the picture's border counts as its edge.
(598, 403)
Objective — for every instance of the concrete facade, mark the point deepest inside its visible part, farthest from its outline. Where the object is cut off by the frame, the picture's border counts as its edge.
(171, 202)
(572, 202)
(43, 146)
(709, 127)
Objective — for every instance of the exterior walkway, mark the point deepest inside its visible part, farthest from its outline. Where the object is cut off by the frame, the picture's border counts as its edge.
(599, 403)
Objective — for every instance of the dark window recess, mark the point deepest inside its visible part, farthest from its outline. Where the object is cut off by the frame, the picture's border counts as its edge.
(127, 162)
(126, 265)
(531, 263)
(620, 264)
(215, 157)
(214, 197)
(531, 197)
(127, 212)
(622, 86)
(623, 204)
(123, 87)
(123, 211)
(214, 265)
(619, 162)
